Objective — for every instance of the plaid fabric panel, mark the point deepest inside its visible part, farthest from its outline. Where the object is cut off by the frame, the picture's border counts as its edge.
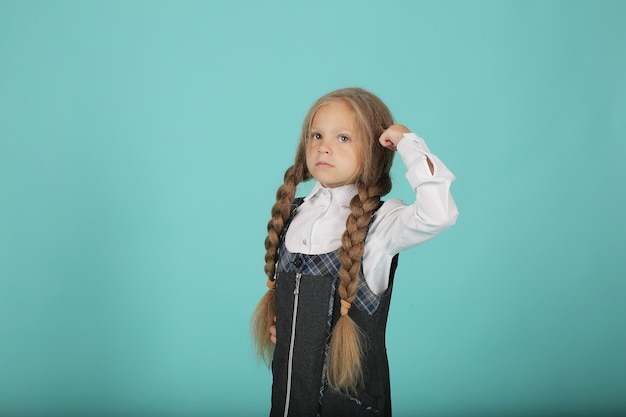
(324, 265)
(327, 264)
(366, 300)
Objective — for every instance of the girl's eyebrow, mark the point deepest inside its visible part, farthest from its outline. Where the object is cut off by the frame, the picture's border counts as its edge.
(340, 131)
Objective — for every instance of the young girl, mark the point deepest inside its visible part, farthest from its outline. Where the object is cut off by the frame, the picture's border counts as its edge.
(331, 256)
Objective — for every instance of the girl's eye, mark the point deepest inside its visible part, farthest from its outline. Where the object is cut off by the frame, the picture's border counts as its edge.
(343, 139)
(316, 136)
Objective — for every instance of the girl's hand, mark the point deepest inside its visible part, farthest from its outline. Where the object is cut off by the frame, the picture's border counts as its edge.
(273, 332)
(392, 136)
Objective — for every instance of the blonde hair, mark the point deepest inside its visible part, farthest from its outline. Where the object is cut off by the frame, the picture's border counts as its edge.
(373, 181)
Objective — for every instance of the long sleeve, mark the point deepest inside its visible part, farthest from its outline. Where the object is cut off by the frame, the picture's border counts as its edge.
(434, 209)
(399, 226)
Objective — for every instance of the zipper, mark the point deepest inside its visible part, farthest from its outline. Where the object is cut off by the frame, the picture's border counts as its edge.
(296, 293)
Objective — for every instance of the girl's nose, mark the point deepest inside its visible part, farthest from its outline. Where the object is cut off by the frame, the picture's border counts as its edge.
(323, 147)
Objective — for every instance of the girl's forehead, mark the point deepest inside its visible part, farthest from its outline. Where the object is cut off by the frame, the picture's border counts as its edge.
(337, 112)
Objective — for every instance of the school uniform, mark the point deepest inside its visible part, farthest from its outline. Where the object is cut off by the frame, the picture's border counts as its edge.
(307, 300)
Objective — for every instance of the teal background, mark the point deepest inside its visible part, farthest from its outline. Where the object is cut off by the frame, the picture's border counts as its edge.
(141, 143)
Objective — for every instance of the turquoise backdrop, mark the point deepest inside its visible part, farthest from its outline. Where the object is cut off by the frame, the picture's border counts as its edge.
(141, 144)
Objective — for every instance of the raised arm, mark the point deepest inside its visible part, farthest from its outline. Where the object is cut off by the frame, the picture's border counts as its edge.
(401, 226)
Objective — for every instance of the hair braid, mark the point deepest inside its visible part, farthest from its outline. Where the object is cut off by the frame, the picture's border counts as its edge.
(263, 316)
(347, 343)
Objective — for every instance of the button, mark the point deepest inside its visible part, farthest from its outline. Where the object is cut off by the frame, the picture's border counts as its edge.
(304, 241)
(322, 206)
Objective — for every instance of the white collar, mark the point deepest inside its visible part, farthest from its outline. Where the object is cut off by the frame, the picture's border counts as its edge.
(342, 195)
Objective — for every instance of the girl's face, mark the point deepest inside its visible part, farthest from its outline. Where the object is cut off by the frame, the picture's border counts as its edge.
(332, 152)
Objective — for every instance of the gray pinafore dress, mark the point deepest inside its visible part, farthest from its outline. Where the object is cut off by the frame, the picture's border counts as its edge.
(307, 308)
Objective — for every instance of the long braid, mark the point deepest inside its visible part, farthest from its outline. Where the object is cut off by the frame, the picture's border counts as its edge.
(347, 342)
(263, 316)
(280, 214)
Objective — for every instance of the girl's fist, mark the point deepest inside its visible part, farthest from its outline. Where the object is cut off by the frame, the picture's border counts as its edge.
(392, 136)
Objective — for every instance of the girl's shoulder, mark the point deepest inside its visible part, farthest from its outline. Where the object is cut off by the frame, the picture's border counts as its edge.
(391, 205)
(389, 209)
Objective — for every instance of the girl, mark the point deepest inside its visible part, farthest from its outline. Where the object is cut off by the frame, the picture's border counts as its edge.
(331, 256)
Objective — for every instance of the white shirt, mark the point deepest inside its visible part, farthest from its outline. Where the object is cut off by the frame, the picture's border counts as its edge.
(321, 219)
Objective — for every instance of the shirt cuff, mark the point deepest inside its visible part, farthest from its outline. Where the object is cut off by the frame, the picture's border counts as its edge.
(412, 147)
(414, 152)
